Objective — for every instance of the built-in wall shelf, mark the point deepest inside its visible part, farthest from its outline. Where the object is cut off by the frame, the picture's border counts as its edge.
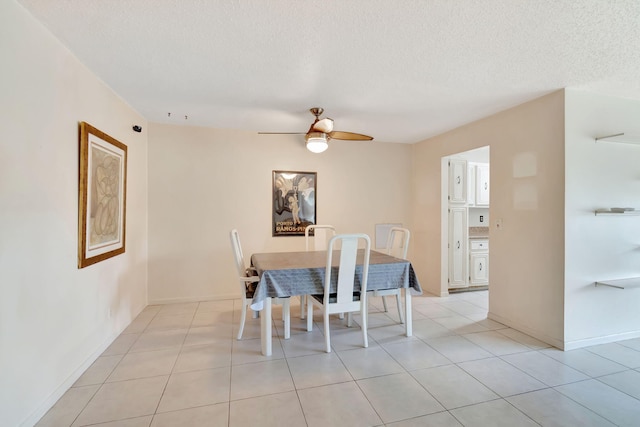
(617, 211)
(620, 283)
(623, 138)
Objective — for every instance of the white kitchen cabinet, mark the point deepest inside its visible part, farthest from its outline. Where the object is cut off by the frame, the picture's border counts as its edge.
(457, 181)
(471, 187)
(479, 245)
(458, 247)
(482, 185)
(479, 262)
(479, 269)
(478, 184)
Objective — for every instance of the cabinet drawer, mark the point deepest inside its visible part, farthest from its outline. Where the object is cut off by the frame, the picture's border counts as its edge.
(479, 245)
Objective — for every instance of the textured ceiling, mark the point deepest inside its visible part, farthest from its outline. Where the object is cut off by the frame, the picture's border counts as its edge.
(401, 71)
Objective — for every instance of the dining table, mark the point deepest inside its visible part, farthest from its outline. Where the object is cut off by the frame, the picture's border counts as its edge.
(287, 274)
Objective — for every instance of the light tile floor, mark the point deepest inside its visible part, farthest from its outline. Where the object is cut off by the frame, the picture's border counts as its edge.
(180, 365)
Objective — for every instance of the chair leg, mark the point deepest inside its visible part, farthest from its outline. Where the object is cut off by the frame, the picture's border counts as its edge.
(286, 314)
(309, 315)
(349, 319)
(364, 320)
(327, 338)
(341, 316)
(384, 304)
(400, 311)
(303, 299)
(243, 317)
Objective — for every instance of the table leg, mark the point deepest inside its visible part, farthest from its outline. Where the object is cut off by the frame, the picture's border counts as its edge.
(286, 313)
(265, 327)
(408, 317)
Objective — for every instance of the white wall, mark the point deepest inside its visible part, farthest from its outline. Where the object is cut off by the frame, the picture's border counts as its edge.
(55, 319)
(527, 193)
(204, 182)
(600, 175)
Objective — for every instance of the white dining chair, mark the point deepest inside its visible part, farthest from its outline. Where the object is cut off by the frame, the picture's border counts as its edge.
(248, 278)
(320, 239)
(397, 246)
(345, 299)
(316, 242)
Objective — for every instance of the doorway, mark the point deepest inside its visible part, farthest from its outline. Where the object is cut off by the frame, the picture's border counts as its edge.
(465, 212)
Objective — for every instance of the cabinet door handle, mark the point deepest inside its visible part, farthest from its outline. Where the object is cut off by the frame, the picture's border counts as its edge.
(458, 179)
(458, 244)
(485, 185)
(480, 267)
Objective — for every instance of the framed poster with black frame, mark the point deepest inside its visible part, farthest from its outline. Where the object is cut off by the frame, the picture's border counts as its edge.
(294, 202)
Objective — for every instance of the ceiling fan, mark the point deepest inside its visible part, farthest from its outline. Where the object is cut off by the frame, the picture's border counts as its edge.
(321, 131)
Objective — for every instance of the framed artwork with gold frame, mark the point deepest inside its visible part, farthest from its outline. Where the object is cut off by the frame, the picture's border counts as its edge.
(102, 196)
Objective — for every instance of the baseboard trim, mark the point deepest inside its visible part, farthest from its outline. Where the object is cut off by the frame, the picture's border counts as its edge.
(575, 344)
(162, 301)
(526, 330)
(565, 345)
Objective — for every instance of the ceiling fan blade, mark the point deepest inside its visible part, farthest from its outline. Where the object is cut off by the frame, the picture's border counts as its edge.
(323, 125)
(281, 133)
(350, 136)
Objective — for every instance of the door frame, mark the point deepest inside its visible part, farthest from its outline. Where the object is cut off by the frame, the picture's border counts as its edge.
(444, 227)
(444, 215)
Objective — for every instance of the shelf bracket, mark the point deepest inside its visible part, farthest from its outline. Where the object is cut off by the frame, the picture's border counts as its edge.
(607, 284)
(609, 136)
(630, 282)
(620, 138)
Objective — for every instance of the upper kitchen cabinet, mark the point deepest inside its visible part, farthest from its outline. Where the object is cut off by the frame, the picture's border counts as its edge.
(482, 184)
(478, 184)
(457, 181)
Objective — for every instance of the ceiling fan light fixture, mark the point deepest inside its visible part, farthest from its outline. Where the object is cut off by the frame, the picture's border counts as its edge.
(317, 142)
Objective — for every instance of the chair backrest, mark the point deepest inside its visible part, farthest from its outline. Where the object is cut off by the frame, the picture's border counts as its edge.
(237, 253)
(346, 277)
(321, 236)
(398, 242)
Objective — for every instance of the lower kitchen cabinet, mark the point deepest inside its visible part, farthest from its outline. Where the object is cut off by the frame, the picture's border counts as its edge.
(479, 269)
(479, 262)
